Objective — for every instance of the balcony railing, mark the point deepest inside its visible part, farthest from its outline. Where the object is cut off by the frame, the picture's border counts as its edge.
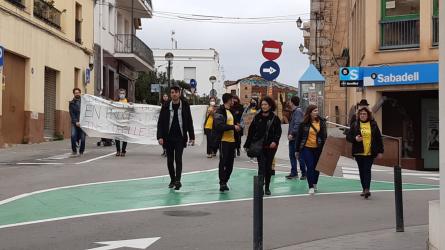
(18, 3)
(435, 31)
(47, 13)
(400, 34)
(127, 43)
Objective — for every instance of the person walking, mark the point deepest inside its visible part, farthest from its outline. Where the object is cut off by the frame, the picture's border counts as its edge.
(77, 133)
(237, 111)
(292, 134)
(367, 144)
(265, 127)
(208, 129)
(225, 128)
(175, 122)
(122, 99)
(164, 101)
(312, 135)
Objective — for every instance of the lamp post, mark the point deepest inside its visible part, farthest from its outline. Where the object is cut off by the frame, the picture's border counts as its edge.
(212, 79)
(169, 58)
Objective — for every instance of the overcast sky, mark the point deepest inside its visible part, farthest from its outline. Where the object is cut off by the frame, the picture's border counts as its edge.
(239, 45)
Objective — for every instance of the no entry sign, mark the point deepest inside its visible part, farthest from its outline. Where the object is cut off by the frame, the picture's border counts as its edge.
(272, 50)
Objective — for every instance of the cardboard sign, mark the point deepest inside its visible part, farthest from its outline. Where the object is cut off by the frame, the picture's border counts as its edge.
(332, 150)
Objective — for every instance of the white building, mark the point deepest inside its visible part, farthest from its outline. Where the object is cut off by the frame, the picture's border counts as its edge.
(124, 54)
(187, 64)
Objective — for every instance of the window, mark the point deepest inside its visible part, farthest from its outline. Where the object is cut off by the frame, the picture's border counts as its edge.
(400, 24)
(233, 91)
(111, 19)
(435, 23)
(245, 88)
(78, 28)
(18, 3)
(77, 78)
(189, 74)
(400, 8)
(246, 96)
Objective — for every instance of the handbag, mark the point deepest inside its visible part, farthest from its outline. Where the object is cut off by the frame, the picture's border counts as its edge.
(256, 147)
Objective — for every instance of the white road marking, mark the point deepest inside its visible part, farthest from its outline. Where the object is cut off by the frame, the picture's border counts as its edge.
(56, 157)
(432, 178)
(351, 176)
(421, 174)
(196, 204)
(95, 159)
(39, 163)
(134, 243)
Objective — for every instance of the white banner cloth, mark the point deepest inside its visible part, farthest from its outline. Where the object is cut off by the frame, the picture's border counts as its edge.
(133, 123)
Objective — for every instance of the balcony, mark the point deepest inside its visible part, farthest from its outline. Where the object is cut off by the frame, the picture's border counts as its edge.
(435, 31)
(400, 34)
(47, 13)
(134, 51)
(142, 8)
(18, 3)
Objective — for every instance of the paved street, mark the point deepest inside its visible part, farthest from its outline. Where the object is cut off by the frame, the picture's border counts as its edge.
(51, 201)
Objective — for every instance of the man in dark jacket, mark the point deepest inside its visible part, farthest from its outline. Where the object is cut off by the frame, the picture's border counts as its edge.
(294, 124)
(225, 128)
(237, 112)
(175, 122)
(77, 133)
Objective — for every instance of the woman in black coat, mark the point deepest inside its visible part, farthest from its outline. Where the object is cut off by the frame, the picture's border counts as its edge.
(264, 121)
(367, 144)
(312, 135)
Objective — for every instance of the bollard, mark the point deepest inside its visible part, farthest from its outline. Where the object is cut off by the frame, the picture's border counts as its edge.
(258, 212)
(398, 192)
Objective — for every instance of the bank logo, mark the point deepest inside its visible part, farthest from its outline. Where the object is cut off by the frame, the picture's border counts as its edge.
(350, 74)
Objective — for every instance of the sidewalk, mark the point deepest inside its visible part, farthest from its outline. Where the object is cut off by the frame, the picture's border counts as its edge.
(413, 238)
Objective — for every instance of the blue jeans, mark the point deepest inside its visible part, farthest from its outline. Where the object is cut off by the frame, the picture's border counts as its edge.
(77, 134)
(310, 158)
(293, 160)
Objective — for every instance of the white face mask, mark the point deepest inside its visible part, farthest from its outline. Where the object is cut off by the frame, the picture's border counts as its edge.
(212, 103)
(122, 96)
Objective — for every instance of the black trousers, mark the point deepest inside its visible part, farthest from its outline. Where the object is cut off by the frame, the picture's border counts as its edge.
(226, 158)
(265, 165)
(118, 146)
(364, 166)
(211, 143)
(238, 136)
(174, 149)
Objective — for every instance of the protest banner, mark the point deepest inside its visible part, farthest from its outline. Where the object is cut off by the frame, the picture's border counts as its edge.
(133, 123)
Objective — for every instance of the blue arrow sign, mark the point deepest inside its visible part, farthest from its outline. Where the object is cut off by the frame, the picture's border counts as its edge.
(270, 70)
(193, 83)
(1, 56)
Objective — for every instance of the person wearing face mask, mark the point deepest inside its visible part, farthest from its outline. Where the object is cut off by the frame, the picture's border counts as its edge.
(77, 133)
(208, 129)
(122, 153)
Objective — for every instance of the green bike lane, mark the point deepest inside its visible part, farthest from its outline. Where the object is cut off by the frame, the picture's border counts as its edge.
(152, 193)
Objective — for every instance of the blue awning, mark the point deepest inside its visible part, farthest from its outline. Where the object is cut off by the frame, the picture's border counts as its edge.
(312, 75)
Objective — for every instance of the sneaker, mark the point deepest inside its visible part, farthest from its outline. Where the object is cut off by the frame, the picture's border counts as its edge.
(303, 177)
(315, 187)
(178, 185)
(267, 192)
(289, 177)
(226, 188)
(311, 191)
(209, 156)
(221, 188)
(73, 154)
(171, 185)
(80, 154)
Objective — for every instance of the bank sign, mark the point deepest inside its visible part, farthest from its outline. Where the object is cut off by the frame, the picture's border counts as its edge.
(394, 75)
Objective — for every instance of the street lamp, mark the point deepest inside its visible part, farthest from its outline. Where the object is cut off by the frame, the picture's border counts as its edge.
(169, 58)
(301, 48)
(212, 79)
(318, 17)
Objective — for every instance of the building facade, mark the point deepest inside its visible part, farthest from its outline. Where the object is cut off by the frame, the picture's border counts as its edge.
(397, 43)
(326, 41)
(117, 48)
(48, 50)
(257, 87)
(187, 64)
